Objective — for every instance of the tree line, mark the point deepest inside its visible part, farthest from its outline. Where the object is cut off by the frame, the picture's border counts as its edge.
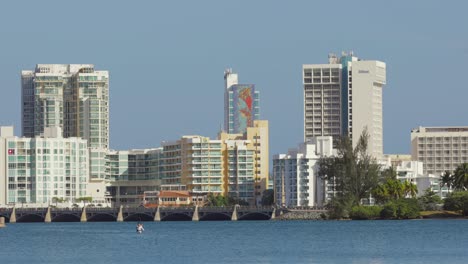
(355, 176)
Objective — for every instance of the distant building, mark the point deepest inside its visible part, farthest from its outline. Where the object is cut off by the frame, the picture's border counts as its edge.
(74, 97)
(396, 159)
(196, 162)
(412, 171)
(296, 181)
(344, 97)
(42, 169)
(241, 104)
(439, 148)
(131, 173)
(234, 165)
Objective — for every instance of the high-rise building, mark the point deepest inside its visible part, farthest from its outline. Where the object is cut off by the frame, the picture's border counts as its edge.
(72, 96)
(344, 97)
(194, 161)
(234, 165)
(439, 148)
(241, 104)
(257, 140)
(39, 169)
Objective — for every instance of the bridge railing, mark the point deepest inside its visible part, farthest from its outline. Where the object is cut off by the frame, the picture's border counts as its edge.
(306, 208)
(72, 209)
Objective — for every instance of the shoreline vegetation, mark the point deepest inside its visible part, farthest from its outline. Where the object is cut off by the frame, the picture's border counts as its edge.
(364, 190)
(424, 215)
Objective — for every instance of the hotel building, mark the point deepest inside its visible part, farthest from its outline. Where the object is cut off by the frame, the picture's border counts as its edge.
(344, 97)
(439, 148)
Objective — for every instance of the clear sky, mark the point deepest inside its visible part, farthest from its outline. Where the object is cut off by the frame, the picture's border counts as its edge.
(166, 60)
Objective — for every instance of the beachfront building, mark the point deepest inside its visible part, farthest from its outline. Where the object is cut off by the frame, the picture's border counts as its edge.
(234, 165)
(439, 148)
(296, 181)
(256, 140)
(194, 161)
(74, 97)
(344, 97)
(131, 173)
(241, 104)
(42, 169)
(412, 171)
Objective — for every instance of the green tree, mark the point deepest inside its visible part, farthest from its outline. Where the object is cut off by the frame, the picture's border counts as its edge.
(268, 197)
(57, 200)
(457, 201)
(389, 173)
(365, 212)
(406, 208)
(393, 189)
(353, 172)
(216, 200)
(85, 199)
(446, 180)
(429, 201)
(460, 177)
(410, 189)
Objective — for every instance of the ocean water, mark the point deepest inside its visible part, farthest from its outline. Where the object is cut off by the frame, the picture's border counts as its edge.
(417, 241)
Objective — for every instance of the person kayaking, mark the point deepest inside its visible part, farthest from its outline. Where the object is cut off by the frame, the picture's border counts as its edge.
(140, 228)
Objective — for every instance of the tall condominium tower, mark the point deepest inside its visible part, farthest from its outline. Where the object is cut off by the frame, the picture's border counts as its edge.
(241, 104)
(344, 97)
(72, 96)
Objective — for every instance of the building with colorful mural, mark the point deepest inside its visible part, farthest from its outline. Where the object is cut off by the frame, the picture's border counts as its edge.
(241, 104)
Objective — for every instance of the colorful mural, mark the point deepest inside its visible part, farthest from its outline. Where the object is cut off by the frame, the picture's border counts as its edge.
(244, 106)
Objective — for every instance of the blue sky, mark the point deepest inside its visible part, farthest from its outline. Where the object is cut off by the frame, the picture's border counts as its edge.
(166, 59)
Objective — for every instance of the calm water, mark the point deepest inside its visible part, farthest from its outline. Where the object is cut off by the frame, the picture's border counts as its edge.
(429, 241)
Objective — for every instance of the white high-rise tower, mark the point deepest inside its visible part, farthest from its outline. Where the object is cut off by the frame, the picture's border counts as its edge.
(344, 97)
(72, 96)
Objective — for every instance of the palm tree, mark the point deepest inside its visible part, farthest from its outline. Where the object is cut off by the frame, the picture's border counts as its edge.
(410, 189)
(460, 177)
(389, 173)
(446, 180)
(381, 194)
(395, 189)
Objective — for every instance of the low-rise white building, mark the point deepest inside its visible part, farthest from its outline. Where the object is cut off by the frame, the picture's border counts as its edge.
(413, 171)
(296, 181)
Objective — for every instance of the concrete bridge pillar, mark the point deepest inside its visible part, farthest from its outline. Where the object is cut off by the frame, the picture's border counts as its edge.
(47, 218)
(120, 215)
(273, 214)
(83, 217)
(157, 216)
(2, 222)
(234, 214)
(13, 215)
(195, 214)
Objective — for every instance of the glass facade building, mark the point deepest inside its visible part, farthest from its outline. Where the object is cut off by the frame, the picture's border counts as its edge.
(74, 97)
(39, 169)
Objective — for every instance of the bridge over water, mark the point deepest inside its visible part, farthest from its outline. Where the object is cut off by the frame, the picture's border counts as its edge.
(120, 214)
